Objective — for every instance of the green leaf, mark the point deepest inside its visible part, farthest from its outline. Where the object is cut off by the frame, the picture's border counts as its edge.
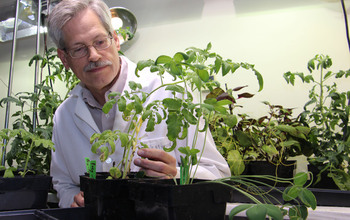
(308, 198)
(235, 160)
(203, 75)
(108, 106)
(174, 126)
(121, 104)
(172, 104)
(150, 124)
(124, 139)
(300, 179)
(269, 149)
(115, 172)
(144, 63)
(189, 116)
(230, 120)
(257, 212)
(163, 59)
(8, 174)
(274, 211)
(180, 56)
(226, 67)
(175, 88)
(238, 209)
(291, 193)
(146, 114)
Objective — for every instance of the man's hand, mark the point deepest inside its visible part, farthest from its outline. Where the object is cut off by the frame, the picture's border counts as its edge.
(158, 163)
(78, 200)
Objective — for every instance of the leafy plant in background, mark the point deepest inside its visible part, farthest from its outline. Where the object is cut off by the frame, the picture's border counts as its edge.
(274, 138)
(28, 134)
(327, 114)
(191, 71)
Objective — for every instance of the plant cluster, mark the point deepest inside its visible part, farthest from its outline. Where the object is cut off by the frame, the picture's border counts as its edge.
(327, 115)
(31, 138)
(274, 137)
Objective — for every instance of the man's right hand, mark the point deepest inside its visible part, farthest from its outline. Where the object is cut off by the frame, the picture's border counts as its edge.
(78, 200)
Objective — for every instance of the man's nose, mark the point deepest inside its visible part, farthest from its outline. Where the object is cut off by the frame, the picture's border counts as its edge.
(93, 54)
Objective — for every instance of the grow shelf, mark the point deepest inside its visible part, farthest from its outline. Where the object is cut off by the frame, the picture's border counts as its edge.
(324, 197)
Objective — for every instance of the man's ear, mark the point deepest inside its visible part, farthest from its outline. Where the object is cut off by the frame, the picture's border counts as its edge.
(62, 55)
(116, 39)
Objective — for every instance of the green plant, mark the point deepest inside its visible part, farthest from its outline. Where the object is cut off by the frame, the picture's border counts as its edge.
(42, 103)
(32, 140)
(191, 71)
(274, 137)
(327, 114)
(297, 198)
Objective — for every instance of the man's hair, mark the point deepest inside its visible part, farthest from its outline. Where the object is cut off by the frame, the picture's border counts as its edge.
(67, 9)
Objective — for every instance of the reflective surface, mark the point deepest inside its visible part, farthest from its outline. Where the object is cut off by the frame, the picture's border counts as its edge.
(127, 21)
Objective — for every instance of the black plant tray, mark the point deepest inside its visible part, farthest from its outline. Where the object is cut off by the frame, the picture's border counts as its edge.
(324, 197)
(29, 192)
(47, 214)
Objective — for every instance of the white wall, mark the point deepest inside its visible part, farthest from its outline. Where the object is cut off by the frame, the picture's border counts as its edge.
(275, 41)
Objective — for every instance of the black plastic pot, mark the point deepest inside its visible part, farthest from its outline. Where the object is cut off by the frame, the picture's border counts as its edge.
(325, 182)
(163, 200)
(20, 193)
(107, 199)
(153, 199)
(285, 170)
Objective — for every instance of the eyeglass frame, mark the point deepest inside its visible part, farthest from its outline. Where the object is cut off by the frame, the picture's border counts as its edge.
(68, 51)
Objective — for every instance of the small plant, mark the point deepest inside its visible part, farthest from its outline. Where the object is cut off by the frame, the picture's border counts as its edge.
(327, 115)
(191, 71)
(29, 138)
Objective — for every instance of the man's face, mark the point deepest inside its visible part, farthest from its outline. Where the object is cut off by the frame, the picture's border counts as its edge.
(85, 29)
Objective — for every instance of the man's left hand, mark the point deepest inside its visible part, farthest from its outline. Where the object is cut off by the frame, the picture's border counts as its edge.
(157, 163)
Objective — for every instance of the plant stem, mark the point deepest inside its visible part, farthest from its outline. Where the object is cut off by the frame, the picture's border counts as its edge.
(27, 159)
(134, 146)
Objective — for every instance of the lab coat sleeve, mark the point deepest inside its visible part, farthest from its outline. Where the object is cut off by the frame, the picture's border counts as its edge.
(63, 184)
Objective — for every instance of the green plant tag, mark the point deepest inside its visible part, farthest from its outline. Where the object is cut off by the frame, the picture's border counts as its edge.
(87, 164)
(92, 169)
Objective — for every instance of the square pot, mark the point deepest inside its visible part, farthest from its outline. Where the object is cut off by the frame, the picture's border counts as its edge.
(20, 193)
(107, 198)
(164, 200)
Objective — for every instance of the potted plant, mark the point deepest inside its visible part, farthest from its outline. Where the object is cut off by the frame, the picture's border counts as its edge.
(191, 70)
(327, 114)
(267, 142)
(27, 162)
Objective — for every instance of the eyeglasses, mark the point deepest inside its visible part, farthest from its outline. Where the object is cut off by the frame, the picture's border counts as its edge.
(82, 51)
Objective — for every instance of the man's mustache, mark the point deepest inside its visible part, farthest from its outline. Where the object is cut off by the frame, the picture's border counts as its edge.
(97, 64)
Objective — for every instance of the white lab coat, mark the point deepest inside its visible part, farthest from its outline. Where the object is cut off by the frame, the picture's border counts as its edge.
(74, 125)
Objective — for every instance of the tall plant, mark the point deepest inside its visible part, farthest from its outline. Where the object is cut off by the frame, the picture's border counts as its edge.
(327, 114)
(191, 72)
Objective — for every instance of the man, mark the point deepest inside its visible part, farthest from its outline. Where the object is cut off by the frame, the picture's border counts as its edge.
(87, 44)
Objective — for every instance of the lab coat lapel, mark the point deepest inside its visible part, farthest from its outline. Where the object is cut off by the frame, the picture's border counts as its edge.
(84, 119)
